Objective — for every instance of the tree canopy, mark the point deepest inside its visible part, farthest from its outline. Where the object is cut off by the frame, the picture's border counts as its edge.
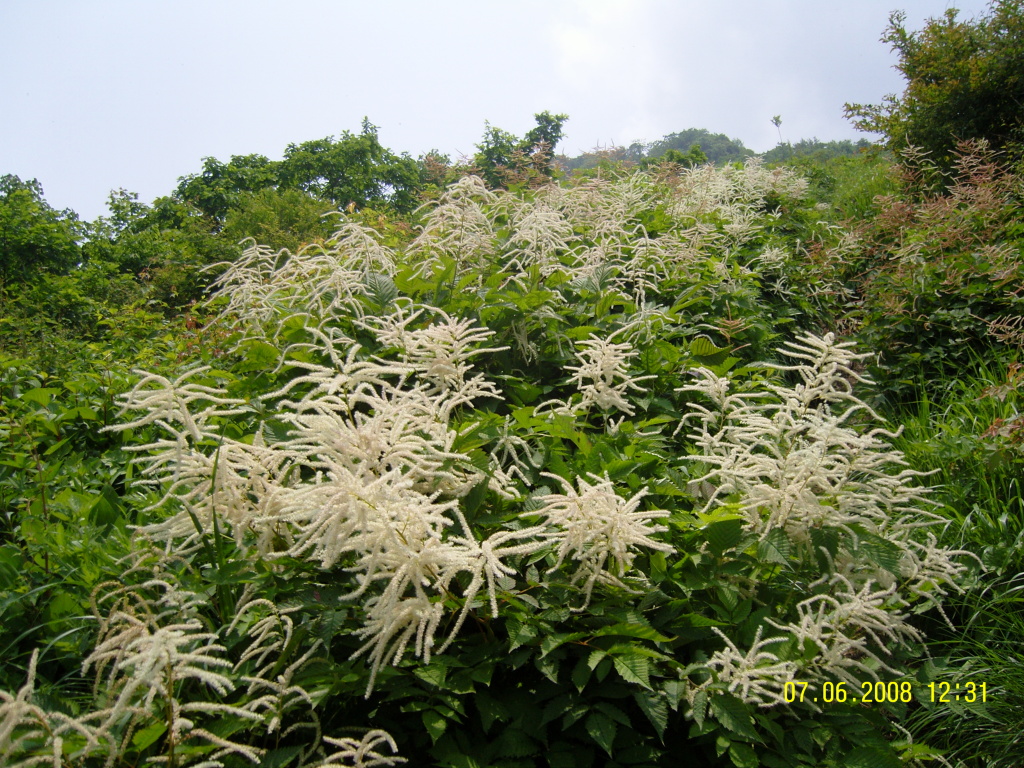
(33, 236)
(504, 158)
(965, 80)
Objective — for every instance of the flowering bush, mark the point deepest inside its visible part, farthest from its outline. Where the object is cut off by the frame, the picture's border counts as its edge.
(524, 470)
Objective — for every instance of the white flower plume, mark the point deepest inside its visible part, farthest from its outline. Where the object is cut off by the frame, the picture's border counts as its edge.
(599, 529)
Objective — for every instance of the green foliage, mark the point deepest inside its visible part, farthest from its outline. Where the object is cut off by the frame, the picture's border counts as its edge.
(61, 506)
(967, 435)
(963, 79)
(852, 187)
(480, 477)
(941, 269)
(34, 238)
(217, 188)
(814, 150)
(717, 147)
(288, 218)
(693, 156)
(505, 159)
(353, 170)
(624, 492)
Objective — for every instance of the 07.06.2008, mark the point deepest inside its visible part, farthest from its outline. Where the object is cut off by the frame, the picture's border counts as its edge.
(882, 692)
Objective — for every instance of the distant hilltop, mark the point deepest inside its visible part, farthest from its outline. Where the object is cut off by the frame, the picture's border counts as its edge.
(700, 144)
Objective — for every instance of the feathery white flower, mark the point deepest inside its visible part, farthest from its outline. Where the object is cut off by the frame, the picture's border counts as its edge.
(757, 676)
(599, 529)
(361, 753)
(31, 735)
(603, 377)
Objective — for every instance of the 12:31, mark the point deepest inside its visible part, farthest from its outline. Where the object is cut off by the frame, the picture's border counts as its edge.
(941, 692)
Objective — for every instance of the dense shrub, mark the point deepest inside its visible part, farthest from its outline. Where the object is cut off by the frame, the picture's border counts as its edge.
(516, 490)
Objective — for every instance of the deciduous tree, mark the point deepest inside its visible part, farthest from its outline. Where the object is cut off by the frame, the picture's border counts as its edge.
(965, 80)
(34, 237)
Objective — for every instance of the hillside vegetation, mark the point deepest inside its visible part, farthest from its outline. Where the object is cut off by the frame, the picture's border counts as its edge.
(358, 459)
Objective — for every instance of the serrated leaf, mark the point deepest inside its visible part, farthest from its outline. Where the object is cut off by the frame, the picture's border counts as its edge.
(39, 395)
(775, 547)
(280, 757)
(490, 709)
(581, 675)
(880, 551)
(613, 712)
(514, 742)
(144, 737)
(634, 668)
(576, 712)
(743, 755)
(434, 674)
(871, 757)
(702, 346)
(259, 356)
(624, 629)
(734, 715)
(602, 730)
(519, 633)
(655, 707)
(723, 535)
(380, 289)
(548, 666)
(555, 709)
(549, 643)
(107, 507)
(700, 704)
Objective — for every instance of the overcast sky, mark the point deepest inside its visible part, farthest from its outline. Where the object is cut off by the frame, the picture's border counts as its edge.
(100, 95)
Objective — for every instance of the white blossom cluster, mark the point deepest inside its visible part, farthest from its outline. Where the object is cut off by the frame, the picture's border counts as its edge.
(369, 476)
(460, 226)
(598, 529)
(363, 470)
(263, 286)
(795, 459)
(159, 666)
(603, 377)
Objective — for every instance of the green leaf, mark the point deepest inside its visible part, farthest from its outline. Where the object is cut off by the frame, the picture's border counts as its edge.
(655, 707)
(435, 724)
(40, 395)
(723, 535)
(549, 643)
(871, 757)
(581, 674)
(743, 755)
(280, 757)
(633, 668)
(475, 498)
(514, 742)
(613, 712)
(602, 730)
(144, 737)
(879, 551)
(107, 508)
(642, 631)
(380, 289)
(705, 350)
(490, 709)
(519, 633)
(434, 674)
(258, 356)
(734, 715)
(775, 547)
(700, 703)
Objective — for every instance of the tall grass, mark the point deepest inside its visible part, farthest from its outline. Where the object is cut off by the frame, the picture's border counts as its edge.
(978, 473)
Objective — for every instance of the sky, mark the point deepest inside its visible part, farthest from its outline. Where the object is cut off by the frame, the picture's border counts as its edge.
(108, 94)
